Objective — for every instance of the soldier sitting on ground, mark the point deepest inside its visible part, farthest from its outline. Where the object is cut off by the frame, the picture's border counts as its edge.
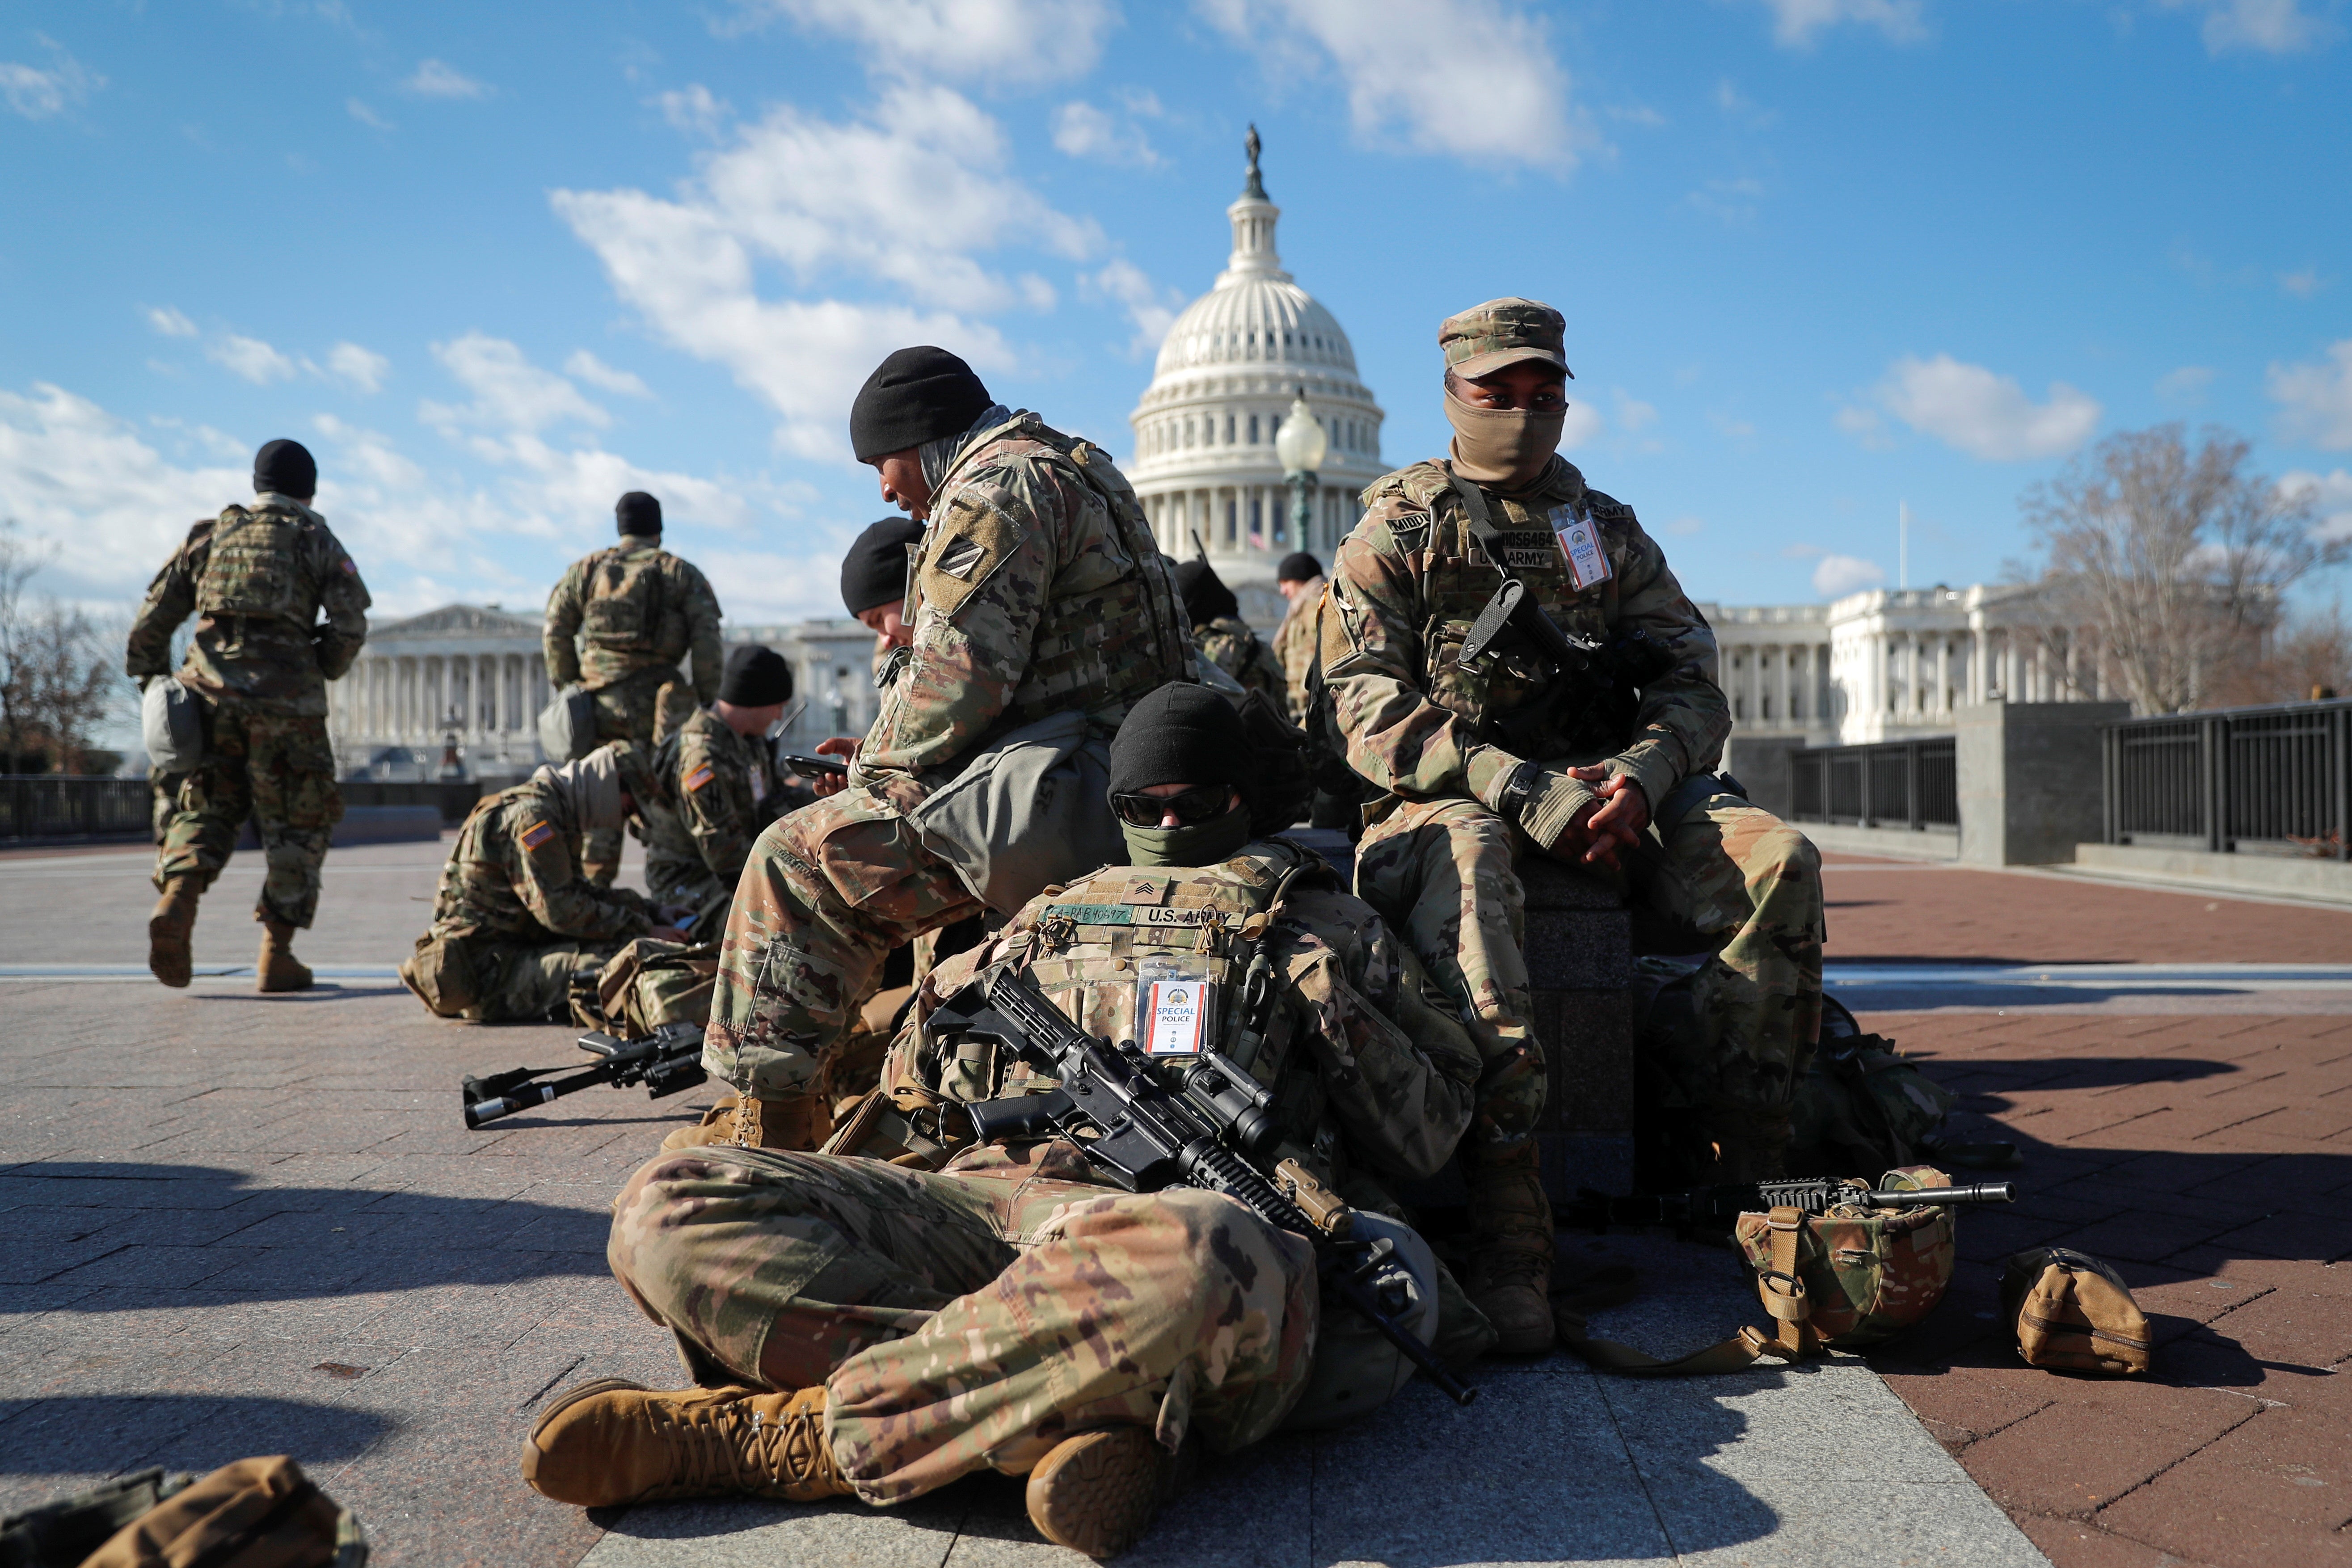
(258, 578)
(1521, 750)
(873, 585)
(514, 922)
(866, 1327)
(716, 776)
(617, 624)
(1223, 638)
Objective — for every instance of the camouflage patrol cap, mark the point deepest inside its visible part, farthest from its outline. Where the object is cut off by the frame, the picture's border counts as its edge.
(1485, 338)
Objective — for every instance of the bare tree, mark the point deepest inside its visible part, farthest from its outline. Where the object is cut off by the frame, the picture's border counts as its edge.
(2309, 656)
(60, 680)
(2182, 559)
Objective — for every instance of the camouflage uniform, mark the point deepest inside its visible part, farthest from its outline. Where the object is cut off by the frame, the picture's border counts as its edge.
(258, 578)
(1233, 648)
(617, 624)
(695, 846)
(1438, 859)
(1040, 591)
(1294, 647)
(513, 920)
(971, 1315)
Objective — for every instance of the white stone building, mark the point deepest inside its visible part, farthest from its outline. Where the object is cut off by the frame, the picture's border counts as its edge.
(473, 677)
(1227, 371)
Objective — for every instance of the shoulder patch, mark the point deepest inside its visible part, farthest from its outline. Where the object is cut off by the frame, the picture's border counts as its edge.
(698, 777)
(1606, 509)
(536, 834)
(969, 545)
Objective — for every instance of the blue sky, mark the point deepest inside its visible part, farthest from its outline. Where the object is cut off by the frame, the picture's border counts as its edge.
(495, 264)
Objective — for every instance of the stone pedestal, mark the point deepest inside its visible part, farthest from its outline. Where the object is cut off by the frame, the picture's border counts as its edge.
(1580, 968)
(2029, 780)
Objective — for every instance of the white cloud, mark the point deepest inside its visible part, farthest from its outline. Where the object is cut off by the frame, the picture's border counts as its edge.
(1149, 306)
(2187, 385)
(2266, 26)
(37, 92)
(1082, 130)
(510, 394)
(695, 109)
(1687, 527)
(1014, 43)
(250, 358)
(366, 116)
(1987, 415)
(1474, 78)
(1864, 425)
(1581, 426)
(2331, 497)
(1632, 414)
(2303, 285)
(1795, 23)
(1835, 576)
(1730, 201)
(436, 79)
(2315, 400)
(362, 369)
(596, 373)
(169, 322)
(904, 200)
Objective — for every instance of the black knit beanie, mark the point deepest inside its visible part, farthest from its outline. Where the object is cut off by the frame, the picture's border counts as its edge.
(288, 469)
(1298, 567)
(756, 676)
(874, 571)
(1181, 733)
(1204, 592)
(916, 395)
(637, 512)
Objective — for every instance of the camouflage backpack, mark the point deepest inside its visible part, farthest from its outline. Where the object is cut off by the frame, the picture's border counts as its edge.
(621, 609)
(646, 984)
(252, 569)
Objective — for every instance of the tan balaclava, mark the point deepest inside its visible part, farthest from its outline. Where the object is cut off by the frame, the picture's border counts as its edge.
(1506, 447)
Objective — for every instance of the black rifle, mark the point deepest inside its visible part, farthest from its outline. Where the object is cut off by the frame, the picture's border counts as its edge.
(1145, 1136)
(1718, 1208)
(667, 1061)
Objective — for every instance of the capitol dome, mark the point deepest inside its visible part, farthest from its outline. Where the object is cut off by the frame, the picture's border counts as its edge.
(1227, 371)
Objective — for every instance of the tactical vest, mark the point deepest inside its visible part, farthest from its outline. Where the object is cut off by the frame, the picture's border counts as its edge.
(1180, 960)
(1505, 696)
(1114, 631)
(254, 568)
(623, 603)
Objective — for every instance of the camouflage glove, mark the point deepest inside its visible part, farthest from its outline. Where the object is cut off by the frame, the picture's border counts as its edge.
(1543, 803)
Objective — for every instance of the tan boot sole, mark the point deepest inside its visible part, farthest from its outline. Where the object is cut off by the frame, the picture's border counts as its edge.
(169, 958)
(1097, 1492)
(562, 1402)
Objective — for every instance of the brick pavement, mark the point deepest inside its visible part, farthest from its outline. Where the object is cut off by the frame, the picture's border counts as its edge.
(2208, 1158)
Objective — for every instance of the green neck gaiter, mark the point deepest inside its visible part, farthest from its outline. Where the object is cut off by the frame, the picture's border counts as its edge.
(1203, 844)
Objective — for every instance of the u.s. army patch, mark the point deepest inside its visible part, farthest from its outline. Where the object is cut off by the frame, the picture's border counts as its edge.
(698, 777)
(537, 834)
(972, 541)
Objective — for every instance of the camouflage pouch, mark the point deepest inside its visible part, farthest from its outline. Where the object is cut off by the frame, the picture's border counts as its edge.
(648, 984)
(2069, 1311)
(254, 1513)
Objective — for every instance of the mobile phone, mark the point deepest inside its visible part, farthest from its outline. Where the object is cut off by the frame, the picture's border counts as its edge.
(808, 766)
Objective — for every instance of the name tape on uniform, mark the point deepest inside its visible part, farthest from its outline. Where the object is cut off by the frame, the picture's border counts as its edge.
(1579, 541)
(1179, 1012)
(1133, 915)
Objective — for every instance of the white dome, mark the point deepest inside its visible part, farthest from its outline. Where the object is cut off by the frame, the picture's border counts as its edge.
(1225, 379)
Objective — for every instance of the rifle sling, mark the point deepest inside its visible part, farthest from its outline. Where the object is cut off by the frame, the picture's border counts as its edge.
(1784, 1297)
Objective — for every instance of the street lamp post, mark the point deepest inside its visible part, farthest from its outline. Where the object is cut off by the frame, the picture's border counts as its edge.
(1300, 445)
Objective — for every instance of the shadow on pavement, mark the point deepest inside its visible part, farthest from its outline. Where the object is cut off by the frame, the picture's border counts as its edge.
(70, 1435)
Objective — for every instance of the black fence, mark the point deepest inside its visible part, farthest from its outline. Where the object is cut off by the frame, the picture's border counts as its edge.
(453, 797)
(2270, 780)
(1904, 784)
(64, 807)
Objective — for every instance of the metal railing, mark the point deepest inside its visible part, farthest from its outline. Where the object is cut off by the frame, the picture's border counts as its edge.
(1902, 784)
(66, 806)
(2270, 780)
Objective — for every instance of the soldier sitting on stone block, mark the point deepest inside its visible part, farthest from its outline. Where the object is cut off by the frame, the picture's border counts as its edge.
(878, 1327)
(716, 771)
(1451, 674)
(514, 922)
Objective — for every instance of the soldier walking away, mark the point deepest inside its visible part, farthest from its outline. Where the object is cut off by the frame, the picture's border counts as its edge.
(717, 775)
(1601, 756)
(1223, 638)
(874, 587)
(1043, 610)
(877, 1328)
(617, 624)
(258, 578)
(514, 922)
(1299, 581)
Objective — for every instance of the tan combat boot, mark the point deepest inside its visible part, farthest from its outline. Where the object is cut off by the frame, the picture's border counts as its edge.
(278, 969)
(1511, 1245)
(611, 1441)
(796, 1121)
(168, 928)
(1097, 1492)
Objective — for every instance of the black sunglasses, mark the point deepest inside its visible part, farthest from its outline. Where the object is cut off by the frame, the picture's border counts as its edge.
(1192, 808)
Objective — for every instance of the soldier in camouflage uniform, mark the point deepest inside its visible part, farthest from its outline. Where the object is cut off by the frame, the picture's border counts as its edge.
(1039, 596)
(1299, 581)
(258, 578)
(874, 587)
(514, 922)
(878, 1329)
(617, 624)
(1223, 638)
(716, 777)
(1484, 763)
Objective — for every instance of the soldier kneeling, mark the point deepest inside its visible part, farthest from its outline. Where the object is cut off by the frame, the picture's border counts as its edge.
(863, 1326)
(515, 920)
